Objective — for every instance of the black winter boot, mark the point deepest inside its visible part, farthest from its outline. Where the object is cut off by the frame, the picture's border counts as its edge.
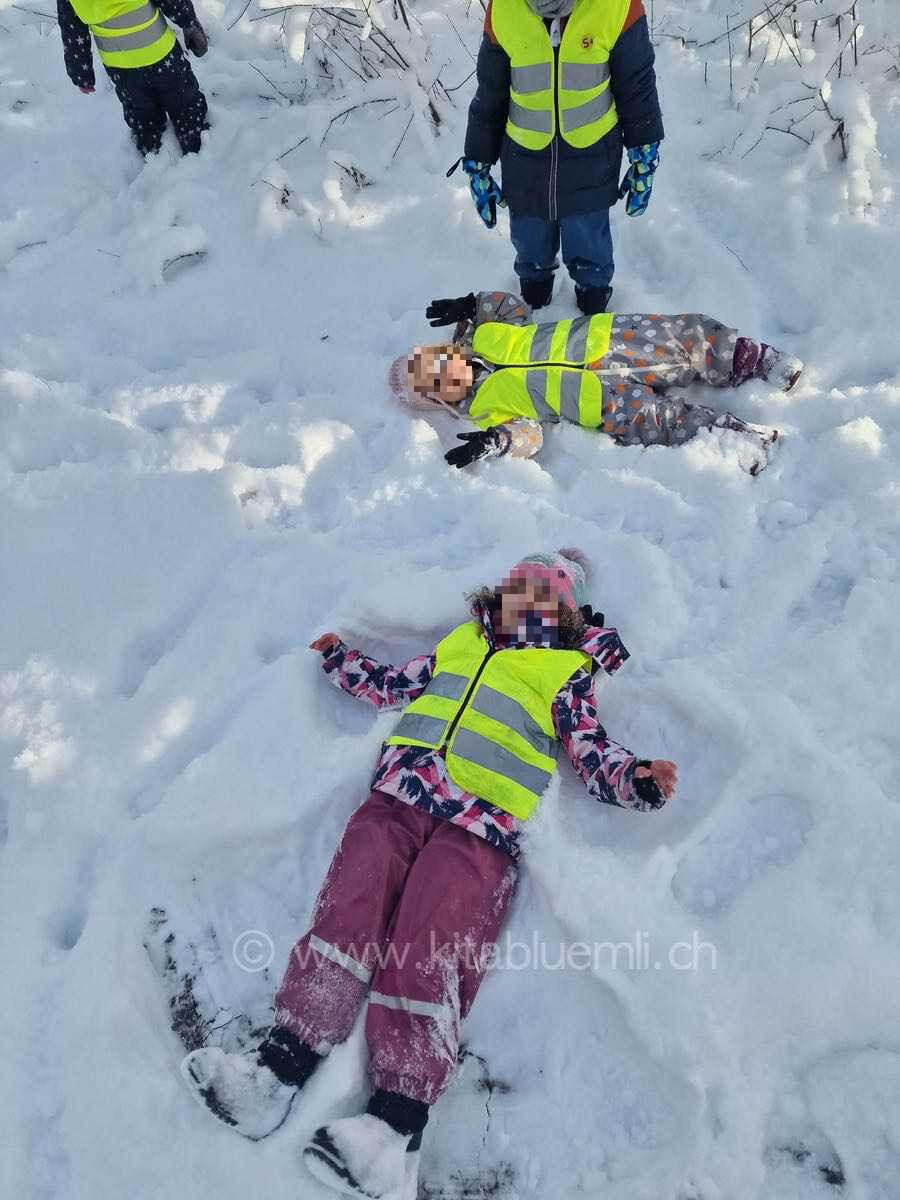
(537, 293)
(592, 300)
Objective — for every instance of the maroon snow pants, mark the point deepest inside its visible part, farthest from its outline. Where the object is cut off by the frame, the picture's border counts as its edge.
(407, 916)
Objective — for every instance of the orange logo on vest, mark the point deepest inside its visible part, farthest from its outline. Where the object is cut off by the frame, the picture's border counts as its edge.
(587, 41)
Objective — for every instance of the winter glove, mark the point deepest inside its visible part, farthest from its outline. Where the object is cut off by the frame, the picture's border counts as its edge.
(596, 619)
(445, 312)
(638, 181)
(654, 781)
(482, 443)
(485, 190)
(196, 40)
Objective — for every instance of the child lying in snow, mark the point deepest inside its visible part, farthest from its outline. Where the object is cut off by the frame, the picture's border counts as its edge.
(604, 372)
(418, 890)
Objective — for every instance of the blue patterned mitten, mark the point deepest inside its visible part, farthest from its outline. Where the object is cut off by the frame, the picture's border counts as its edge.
(485, 190)
(638, 181)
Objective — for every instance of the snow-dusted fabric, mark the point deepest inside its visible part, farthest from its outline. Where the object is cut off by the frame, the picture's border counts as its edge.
(167, 88)
(418, 775)
(408, 912)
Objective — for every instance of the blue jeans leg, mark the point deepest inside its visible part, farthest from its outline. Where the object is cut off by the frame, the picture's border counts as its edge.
(536, 242)
(587, 248)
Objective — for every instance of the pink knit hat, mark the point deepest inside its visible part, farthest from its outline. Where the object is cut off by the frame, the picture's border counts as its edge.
(402, 389)
(565, 572)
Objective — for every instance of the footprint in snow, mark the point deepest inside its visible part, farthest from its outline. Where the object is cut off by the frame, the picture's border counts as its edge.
(748, 840)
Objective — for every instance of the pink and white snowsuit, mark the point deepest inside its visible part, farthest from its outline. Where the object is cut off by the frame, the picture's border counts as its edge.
(417, 892)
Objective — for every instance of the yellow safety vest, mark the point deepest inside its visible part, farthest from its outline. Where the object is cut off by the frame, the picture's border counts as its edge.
(577, 95)
(492, 710)
(128, 33)
(543, 373)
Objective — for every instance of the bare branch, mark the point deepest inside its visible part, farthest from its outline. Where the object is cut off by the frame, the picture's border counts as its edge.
(239, 16)
(459, 85)
(784, 37)
(405, 132)
(353, 108)
(272, 85)
(296, 146)
(459, 35)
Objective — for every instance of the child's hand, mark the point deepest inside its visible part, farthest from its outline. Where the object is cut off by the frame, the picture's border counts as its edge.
(665, 775)
(326, 644)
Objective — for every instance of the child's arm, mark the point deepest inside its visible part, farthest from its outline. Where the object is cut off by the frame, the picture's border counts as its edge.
(633, 81)
(490, 104)
(608, 769)
(505, 307)
(520, 439)
(179, 12)
(78, 53)
(385, 686)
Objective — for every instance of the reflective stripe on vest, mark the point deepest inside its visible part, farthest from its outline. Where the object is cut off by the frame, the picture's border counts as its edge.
(136, 37)
(557, 386)
(128, 20)
(498, 729)
(576, 84)
(132, 41)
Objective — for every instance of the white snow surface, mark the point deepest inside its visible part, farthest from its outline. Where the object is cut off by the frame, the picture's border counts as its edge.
(201, 470)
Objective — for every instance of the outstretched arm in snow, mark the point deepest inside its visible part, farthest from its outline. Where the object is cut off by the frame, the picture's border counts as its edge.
(476, 309)
(520, 439)
(611, 773)
(383, 685)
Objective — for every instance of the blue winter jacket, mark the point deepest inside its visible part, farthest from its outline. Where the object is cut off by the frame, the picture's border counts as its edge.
(562, 181)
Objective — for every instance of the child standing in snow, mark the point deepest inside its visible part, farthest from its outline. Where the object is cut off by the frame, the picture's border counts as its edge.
(415, 896)
(147, 66)
(608, 372)
(562, 86)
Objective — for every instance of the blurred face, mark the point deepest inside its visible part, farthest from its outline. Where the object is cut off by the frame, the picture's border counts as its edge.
(527, 606)
(439, 371)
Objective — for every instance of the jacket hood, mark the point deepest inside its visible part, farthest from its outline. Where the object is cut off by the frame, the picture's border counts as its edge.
(548, 9)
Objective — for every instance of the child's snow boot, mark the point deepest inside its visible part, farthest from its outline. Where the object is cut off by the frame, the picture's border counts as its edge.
(778, 367)
(592, 300)
(763, 443)
(364, 1156)
(537, 293)
(757, 360)
(251, 1093)
(375, 1155)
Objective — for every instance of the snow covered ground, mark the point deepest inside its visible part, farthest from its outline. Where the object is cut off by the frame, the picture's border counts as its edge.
(200, 470)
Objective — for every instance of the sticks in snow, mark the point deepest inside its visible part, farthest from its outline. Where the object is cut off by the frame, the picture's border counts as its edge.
(353, 108)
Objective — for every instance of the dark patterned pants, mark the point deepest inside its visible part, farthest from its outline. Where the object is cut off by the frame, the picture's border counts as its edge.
(149, 95)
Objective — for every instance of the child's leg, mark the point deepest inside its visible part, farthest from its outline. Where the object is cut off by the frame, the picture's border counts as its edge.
(675, 350)
(179, 94)
(536, 242)
(144, 115)
(330, 967)
(587, 249)
(453, 905)
(635, 415)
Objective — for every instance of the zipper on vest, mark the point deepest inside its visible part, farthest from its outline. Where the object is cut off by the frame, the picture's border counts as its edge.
(554, 145)
(445, 741)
